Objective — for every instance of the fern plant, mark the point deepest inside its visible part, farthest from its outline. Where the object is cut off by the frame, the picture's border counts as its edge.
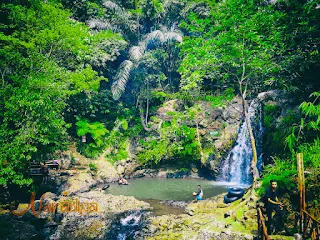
(309, 125)
(97, 132)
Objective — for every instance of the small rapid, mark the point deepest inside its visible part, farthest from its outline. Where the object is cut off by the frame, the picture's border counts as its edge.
(127, 226)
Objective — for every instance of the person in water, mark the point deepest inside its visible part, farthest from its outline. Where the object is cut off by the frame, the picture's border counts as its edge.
(273, 204)
(122, 181)
(199, 194)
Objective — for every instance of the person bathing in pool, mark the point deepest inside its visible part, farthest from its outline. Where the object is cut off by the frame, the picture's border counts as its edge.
(199, 194)
(122, 181)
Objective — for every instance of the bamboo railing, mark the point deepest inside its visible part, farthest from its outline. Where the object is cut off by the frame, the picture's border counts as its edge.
(262, 229)
(309, 226)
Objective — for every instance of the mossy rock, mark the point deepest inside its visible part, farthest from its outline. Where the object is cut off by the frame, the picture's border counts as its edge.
(94, 229)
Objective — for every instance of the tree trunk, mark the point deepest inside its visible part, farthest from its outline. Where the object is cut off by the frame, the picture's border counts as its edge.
(147, 111)
(145, 126)
(200, 147)
(254, 169)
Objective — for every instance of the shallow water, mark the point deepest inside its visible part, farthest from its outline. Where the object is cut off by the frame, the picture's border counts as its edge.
(167, 188)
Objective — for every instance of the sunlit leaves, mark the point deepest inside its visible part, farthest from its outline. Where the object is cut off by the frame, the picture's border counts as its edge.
(235, 35)
(45, 58)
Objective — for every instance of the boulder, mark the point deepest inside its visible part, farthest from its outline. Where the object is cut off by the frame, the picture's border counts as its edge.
(106, 172)
(81, 181)
(65, 161)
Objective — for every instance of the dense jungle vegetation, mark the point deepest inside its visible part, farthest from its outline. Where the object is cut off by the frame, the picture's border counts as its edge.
(102, 68)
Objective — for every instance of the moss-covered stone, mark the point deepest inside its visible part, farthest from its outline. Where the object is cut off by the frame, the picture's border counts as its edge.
(209, 220)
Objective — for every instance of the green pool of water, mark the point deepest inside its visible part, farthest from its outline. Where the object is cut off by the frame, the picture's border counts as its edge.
(167, 189)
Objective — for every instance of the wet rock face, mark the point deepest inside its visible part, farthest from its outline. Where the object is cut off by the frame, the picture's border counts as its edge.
(219, 129)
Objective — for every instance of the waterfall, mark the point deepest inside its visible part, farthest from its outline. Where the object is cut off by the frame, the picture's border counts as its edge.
(236, 167)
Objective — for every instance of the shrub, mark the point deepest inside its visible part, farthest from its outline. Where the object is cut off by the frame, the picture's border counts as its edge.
(284, 172)
(93, 167)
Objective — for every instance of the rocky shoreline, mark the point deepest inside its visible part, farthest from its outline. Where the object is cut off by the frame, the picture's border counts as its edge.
(208, 219)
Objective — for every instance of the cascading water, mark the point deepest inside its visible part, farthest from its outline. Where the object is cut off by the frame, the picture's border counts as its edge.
(126, 226)
(236, 167)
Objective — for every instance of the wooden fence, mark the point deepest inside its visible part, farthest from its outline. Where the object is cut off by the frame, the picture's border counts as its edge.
(262, 229)
(309, 226)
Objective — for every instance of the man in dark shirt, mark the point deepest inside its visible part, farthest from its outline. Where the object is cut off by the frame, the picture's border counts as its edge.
(273, 204)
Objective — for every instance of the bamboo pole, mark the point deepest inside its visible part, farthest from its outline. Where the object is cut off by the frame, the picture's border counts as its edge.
(300, 190)
(303, 183)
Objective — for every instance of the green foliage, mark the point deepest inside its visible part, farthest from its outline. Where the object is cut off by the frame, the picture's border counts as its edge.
(119, 151)
(309, 125)
(124, 125)
(93, 167)
(52, 68)
(221, 100)
(96, 132)
(46, 57)
(284, 172)
(178, 141)
(151, 9)
(270, 112)
(118, 141)
(237, 41)
(303, 138)
(311, 154)
(155, 151)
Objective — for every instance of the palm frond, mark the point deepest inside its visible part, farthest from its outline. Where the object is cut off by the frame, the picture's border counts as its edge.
(113, 6)
(173, 36)
(121, 79)
(121, 17)
(99, 24)
(136, 52)
(161, 37)
(155, 36)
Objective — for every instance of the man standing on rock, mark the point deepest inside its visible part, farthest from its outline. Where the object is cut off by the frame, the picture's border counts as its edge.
(273, 204)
